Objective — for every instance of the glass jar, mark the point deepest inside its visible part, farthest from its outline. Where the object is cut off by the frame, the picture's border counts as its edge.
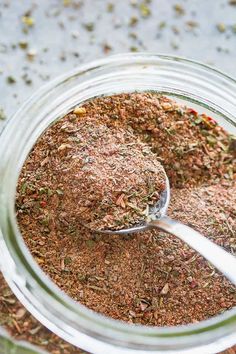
(8, 345)
(187, 81)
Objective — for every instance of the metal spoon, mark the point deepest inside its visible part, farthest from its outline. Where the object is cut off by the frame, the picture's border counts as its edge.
(222, 260)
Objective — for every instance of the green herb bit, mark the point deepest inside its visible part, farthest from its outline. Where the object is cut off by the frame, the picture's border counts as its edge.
(31, 186)
(232, 144)
(23, 187)
(89, 26)
(45, 220)
(67, 260)
(133, 35)
(180, 111)
(162, 25)
(66, 3)
(211, 140)
(221, 27)
(222, 146)
(110, 7)
(179, 9)
(233, 28)
(82, 277)
(23, 44)
(46, 190)
(90, 243)
(133, 21)
(198, 120)
(170, 131)
(144, 10)
(2, 114)
(28, 21)
(133, 48)
(11, 80)
(59, 192)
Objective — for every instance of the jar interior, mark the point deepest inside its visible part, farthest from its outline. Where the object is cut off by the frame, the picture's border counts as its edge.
(200, 106)
(68, 94)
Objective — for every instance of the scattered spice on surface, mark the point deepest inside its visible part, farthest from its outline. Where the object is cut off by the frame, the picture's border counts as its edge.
(31, 54)
(179, 9)
(151, 278)
(191, 25)
(162, 25)
(23, 44)
(27, 79)
(144, 9)
(2, 114)
(67, 2)
(28, 21)
(11, 80)
(107, 48)
(133, 21)
(221, 27)
(110, 7)
(174, 45)
(233, 28)
(89, 26)
(133, 49)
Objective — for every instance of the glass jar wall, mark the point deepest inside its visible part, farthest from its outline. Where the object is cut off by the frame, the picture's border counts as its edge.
(197, 85)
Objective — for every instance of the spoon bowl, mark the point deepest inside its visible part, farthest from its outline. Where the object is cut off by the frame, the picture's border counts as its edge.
(155, 212)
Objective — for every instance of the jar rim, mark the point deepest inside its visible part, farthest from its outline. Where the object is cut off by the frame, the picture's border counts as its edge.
(35, 278)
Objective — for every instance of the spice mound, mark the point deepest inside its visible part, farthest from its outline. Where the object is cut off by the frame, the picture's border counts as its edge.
(108, 154)
(117, 179)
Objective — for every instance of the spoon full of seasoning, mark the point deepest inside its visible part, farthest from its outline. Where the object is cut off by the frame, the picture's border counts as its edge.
(124, 189)
(157, 218)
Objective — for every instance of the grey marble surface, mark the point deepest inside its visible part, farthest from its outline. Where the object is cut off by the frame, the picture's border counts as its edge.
(62, 36)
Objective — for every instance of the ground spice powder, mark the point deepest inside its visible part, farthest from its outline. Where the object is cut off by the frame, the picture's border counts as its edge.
(151, 278)
(108, 177)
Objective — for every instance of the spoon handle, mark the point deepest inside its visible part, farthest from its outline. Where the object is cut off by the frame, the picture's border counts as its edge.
(222, 260)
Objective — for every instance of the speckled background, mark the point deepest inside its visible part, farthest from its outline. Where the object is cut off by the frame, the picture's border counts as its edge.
(67, 33)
